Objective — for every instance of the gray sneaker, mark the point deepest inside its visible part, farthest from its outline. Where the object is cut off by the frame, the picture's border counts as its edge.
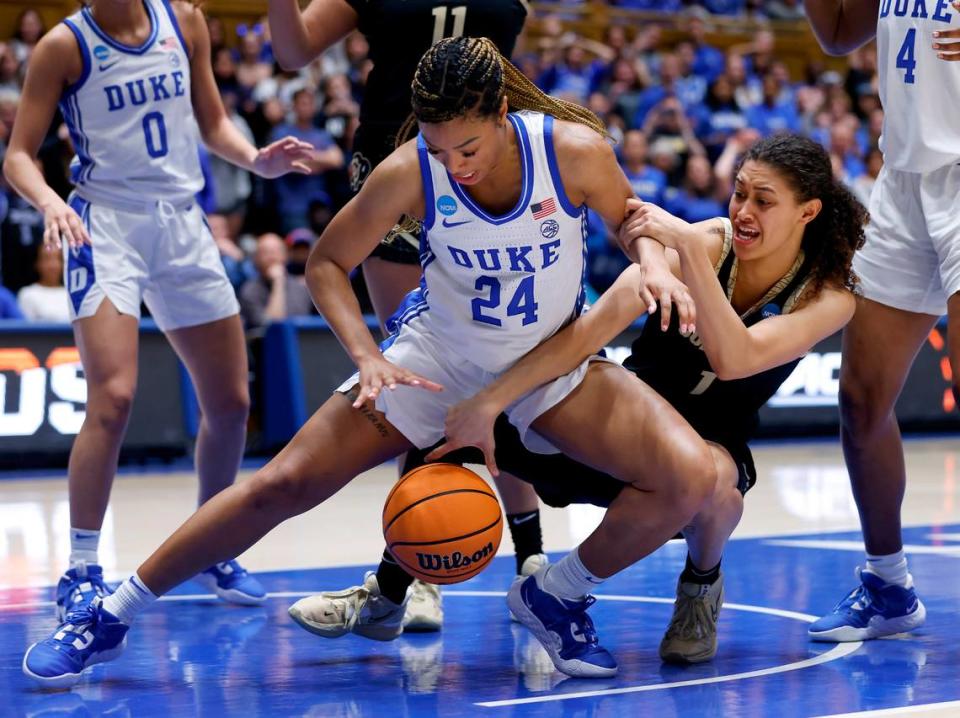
(424, 610)
(360, 609)
(691, 636)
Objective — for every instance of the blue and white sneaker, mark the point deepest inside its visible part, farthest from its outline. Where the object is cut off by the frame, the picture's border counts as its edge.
(78, 587)
(90, 635)
(232, 583)
(562, 627)
(871, 610)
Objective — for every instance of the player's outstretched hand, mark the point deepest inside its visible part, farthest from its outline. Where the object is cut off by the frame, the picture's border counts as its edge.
(285, 155)
(470, 423)
(377, 373)
(61, 224)
(947, 42)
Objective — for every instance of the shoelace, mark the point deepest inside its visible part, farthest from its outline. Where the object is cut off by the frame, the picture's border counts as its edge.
(691, 615)
(79, 622)
(579, 617)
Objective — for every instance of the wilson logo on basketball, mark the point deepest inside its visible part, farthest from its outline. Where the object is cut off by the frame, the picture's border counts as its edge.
(453, 561)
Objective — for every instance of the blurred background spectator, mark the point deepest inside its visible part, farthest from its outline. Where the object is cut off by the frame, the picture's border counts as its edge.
(274, 293)
(46, 300)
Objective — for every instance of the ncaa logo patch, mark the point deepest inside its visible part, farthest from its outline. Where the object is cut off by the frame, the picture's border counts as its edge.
(101, 52)
(770, 310)
(446, 205)
(549, 228)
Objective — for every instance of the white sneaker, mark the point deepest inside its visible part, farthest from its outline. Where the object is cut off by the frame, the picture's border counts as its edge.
(359, 609)
(424, 609)
(531, 564)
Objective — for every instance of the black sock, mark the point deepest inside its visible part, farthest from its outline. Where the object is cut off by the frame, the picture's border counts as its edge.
(525, 532)
(392, 579)
(691, 574)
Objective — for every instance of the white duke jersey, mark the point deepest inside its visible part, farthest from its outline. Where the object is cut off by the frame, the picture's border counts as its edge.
(130, 114)
(493, 288)
(920, 92)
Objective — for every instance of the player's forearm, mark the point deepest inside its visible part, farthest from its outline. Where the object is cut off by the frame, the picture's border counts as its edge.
(227, 142)
(726, 340)
(21, 173)
(842, 26)
(291, 41)
(334, 298)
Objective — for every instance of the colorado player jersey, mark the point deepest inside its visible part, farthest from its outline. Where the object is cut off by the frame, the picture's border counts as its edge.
(493, 288)
(920, 92)
(400, 31)
(130, 114)
(677, 367)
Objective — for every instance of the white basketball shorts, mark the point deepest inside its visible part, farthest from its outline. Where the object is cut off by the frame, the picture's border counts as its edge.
(160, 254)
(419, 414)
(911, 258)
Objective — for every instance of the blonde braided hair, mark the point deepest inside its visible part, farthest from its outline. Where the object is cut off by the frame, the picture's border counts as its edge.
(462, 74)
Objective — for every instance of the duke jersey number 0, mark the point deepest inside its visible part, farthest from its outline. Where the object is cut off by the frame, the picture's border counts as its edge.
(130, 114)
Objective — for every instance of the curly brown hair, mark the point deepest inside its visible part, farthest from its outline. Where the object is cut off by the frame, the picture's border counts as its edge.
(831, 239)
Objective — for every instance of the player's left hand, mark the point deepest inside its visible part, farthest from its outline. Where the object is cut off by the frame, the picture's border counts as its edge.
(649, 220)
(470, 423)
(285, 155)
(950, 50)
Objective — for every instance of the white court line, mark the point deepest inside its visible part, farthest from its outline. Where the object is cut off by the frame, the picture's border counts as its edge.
(906, 710)
(839, 651)
(858, 546)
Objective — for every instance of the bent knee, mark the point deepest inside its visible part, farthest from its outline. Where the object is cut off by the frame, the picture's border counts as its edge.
(110, 403)
(690, 477)
(229, 410)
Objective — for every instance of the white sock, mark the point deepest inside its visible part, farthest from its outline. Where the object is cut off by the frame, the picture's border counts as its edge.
(892, 568)
(129, 599)
(569, 578)
(83, 546)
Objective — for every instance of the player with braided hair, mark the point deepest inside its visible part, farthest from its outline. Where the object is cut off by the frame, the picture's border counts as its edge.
(502, 197)
(398, 33)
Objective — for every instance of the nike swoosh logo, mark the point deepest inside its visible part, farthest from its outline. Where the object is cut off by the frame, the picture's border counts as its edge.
(447, 223)
(523, 520)
(108, 66)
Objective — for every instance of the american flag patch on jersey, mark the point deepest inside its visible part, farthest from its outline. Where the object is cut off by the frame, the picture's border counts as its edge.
(544, 209)
(169, 43)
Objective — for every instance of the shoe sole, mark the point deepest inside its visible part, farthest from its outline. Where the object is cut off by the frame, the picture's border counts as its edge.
(422, 624)
(680, 659)
(66, 680)
(572, 667)
(325, 630)
(876, 629)
(230, 595)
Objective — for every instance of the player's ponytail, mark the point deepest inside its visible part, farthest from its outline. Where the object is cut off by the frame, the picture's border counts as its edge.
(830, 240)
(468, 74)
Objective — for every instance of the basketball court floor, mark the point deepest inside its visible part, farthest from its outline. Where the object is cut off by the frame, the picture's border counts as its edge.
(792, 558)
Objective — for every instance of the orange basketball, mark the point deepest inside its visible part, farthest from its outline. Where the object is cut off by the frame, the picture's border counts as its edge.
(442, 523)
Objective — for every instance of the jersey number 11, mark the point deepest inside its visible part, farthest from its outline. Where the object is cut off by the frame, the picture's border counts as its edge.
(440, 22)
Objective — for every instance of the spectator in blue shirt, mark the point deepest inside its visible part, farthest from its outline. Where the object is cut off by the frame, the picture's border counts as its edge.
(9, 309)
(701, 196)
(576, 77)
(719, 117)
(647, 182)
(772, 116)
(666, 86)
(295, 192)
(708, 61)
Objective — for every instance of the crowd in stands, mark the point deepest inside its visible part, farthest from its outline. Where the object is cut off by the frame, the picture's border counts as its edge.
(680, 115)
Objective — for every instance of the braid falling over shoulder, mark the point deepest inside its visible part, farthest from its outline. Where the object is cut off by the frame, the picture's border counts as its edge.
(463, 74)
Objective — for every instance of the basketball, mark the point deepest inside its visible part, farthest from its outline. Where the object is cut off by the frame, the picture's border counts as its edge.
(442, 523)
